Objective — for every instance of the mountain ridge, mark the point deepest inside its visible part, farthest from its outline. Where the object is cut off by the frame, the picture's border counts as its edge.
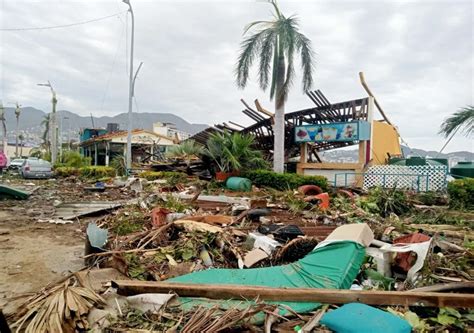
(30, 120)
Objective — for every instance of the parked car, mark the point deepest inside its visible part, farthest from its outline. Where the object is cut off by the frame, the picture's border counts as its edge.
(36, 168)
(16, 164)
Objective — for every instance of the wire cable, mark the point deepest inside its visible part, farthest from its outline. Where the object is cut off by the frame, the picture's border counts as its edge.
(119, 43)
(64, 25)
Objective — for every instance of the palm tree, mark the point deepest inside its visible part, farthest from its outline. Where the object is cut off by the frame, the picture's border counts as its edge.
(17, 115)
(275, 43)
(21, 138)
(45, 122)
(461, 119)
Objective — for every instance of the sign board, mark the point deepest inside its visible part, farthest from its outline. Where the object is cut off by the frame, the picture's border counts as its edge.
(333, 132)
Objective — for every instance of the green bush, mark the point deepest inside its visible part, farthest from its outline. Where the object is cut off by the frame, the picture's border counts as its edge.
(284, 181)
(64, 171)
(71, 158)
(461, 193)
(120, 165)
(96, 172)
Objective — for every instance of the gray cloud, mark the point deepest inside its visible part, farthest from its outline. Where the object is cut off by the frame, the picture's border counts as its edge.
(417, 57)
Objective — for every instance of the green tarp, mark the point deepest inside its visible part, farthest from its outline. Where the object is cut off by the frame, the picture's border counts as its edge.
(334, 266)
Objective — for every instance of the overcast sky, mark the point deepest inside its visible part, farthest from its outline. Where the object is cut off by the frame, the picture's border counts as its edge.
(417, 57)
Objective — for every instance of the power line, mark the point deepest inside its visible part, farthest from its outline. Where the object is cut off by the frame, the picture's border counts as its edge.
(112, 68)
(64, 25)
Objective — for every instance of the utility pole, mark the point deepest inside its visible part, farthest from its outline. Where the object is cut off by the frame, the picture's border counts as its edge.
(53, 126)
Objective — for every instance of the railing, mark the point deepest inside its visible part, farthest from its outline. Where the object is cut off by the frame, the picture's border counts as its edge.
(419, 183)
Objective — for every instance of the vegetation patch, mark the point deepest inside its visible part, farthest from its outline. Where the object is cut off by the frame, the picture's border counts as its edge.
(173, 178)
(65, 171)
(97, 172)
(284, 181)
(461, 193)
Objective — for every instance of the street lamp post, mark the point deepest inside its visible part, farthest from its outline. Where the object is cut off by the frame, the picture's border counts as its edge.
(130, 90)
(54, 129)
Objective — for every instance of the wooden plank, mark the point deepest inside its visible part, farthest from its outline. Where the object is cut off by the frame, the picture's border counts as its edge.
(328, 296)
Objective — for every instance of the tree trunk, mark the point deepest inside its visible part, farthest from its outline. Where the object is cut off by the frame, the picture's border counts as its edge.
(279, 127)
(16, 136)
(279, 138)
(4, 137)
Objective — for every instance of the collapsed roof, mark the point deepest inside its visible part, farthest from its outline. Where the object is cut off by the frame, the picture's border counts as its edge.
(324, 112)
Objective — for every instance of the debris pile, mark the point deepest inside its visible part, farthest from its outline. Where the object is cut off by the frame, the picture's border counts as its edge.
(189, 256)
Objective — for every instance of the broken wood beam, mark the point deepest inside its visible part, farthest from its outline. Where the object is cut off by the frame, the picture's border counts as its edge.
(328, 296)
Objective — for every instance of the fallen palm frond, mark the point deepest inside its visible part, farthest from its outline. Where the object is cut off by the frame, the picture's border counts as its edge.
(215, 320)
(59, 308)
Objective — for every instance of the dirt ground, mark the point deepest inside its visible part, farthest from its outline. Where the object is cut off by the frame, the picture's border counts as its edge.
(32, 253)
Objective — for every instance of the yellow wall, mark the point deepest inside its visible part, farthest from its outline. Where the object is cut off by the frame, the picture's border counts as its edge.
(384, 140)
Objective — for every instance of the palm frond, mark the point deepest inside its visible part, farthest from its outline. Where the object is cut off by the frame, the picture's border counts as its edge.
(303, 45)
(462, 119)
(266, 55)
(249, 49)
(256, 23)
(276, 55)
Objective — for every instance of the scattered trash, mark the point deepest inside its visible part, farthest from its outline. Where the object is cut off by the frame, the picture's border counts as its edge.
(190, 226)
(322, 200)
(356, 232)
(72, 210)
(309, 190)
(255, 214)
(159, 216)
(281, 232)
(406, 260)
(263, 242)
(96, 238)
(254, 256)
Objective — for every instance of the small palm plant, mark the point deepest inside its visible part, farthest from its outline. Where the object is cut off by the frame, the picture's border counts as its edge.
(234, 152)
(186, 151)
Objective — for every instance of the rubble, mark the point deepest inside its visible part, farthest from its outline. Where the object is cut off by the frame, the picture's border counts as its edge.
(275, 254)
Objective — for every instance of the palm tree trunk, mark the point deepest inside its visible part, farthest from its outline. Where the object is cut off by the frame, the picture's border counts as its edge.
(279, 138)
(279, 126)
(4, 137)
(16, 136)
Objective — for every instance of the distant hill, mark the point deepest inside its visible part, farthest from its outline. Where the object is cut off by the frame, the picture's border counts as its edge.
(352, 155)
(30, 121)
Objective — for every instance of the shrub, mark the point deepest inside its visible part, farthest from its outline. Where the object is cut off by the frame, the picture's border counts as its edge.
(120, 165)
(390, 200)
(64, 171)
(74, 159)
(284, 181)
(234, 151)
(96, 172)
(461, 193)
